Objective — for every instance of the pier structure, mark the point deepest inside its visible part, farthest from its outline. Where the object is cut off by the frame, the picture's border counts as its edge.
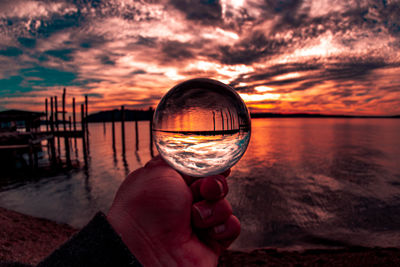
(22, 132)
(44, 140)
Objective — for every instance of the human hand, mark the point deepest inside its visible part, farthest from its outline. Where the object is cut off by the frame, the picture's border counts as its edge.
(164, 222)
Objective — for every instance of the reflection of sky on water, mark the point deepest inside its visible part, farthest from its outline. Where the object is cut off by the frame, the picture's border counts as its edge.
(301, 182)
(201, 155)
(319, 182)
(74, 196)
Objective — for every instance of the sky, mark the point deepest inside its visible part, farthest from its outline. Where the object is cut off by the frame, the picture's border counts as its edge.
(287, 56)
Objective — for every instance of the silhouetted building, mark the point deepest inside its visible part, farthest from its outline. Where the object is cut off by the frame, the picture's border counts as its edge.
(12, 120)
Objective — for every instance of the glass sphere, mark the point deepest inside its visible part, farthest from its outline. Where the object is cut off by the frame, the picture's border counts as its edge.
(201, 127)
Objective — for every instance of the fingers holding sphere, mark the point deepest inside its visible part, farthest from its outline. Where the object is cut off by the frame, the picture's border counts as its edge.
(221, 236)
(226, 232)
(191, 179)
(209, 188)
(207, 214)
(214, 187)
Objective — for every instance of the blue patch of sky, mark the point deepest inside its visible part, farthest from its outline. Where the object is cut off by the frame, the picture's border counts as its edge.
(86, 45)
(11, 51)
(12, 85)
(46, 27)
(49, 77)
(57, 23)
(38, 77)
(105, 60)
(27, 42)
(91, 41)
(64, 54)
(209, 2)
(94, 3)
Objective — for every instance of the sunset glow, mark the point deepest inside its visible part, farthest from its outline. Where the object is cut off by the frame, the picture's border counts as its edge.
(281, 56)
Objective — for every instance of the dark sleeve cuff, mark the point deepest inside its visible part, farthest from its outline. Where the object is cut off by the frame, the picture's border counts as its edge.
(97, 244)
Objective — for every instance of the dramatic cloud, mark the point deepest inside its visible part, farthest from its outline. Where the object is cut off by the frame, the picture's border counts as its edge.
(340, 57)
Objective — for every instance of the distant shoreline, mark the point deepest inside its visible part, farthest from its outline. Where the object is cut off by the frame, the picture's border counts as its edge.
(132, 115)
(147, 115)
(306, 115)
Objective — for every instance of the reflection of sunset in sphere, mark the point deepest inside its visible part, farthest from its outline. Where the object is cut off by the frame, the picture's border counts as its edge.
(201, 127)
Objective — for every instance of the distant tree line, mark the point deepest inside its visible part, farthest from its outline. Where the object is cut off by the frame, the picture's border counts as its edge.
(307, 115)
(141, 115)
(130, 115)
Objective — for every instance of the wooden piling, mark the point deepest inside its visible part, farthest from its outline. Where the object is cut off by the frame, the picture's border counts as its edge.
(87, 124)
(30, 155)
(233, 121)
(214, 120)
(51, 141)
(51, 116)
(63, 109)
(35, 158)
(104, 127)
(227, 121)
(123, 128)
(47, 114)
(66, 140)
(57, 126)
(47, 129)
(83, 131)
(56, 112)
(70, 129)
(222, 119)
(113, 129)
(73, 113)
(230, 118)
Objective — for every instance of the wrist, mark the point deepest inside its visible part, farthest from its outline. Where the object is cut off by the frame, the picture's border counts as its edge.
(146, 249)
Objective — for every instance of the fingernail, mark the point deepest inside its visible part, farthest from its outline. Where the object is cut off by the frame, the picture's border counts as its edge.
(203, 212)
(219, 228)
(221, 188)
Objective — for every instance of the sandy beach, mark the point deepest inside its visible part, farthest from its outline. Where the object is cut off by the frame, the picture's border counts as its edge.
(27, 240)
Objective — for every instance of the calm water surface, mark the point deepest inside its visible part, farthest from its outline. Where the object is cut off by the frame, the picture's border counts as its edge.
(303, 183)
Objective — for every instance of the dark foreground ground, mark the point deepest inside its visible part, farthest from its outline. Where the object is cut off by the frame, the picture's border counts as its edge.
(27, 239)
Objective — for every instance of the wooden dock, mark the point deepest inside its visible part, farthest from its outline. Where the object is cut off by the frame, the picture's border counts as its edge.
(17, 142)
(58, 136)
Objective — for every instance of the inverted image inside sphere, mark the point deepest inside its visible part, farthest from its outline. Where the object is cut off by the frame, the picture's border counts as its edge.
(201, 127)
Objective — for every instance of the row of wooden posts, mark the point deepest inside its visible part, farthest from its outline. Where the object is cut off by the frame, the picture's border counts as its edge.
(123, 132)
(70, 130)
(52, 121)
(69, 127)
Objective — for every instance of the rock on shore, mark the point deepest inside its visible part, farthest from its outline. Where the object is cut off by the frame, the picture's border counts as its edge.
(27, 239)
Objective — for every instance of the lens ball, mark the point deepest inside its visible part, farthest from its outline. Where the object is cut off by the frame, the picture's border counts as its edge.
(201, 127)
